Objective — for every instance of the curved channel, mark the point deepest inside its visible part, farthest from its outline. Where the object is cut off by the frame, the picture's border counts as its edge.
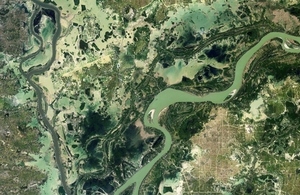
(38, 90)
(171, 96)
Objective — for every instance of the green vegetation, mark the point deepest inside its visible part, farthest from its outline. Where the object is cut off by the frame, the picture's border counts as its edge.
(186, 119)
(167, 168)
(12, 31)
(161, 14)
(140, 47)
(17, 141)
(120, 6)
(276, 138)
(275, 109)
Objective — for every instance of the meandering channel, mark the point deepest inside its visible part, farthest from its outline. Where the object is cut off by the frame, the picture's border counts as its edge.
(38, 90)
(171, 96)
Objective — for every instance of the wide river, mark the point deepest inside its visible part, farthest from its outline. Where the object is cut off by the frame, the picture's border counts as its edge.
(171, 96)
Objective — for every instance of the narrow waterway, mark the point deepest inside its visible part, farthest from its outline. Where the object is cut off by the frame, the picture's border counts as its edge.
(171, 96)
(38, 90)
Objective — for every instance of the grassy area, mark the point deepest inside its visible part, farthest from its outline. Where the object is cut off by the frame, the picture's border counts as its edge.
(120, 5)
(12, 32)
(161, 14)
(9, 85)
(140, 46)
(17, 140)
(171, 2)
(291, 177)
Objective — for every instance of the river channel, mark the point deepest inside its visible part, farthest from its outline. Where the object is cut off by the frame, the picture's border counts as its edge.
(171, 96)
(39, 93)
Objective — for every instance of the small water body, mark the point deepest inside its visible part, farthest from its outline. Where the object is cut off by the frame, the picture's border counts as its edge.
(171, 96)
